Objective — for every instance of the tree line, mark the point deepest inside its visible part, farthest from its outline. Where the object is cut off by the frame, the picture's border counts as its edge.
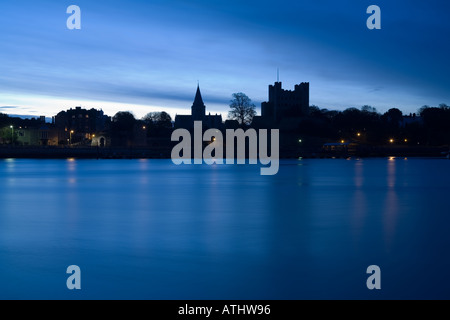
(429, 126)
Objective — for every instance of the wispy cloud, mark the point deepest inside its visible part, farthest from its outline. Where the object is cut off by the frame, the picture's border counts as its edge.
(153, 53)
(7, 107)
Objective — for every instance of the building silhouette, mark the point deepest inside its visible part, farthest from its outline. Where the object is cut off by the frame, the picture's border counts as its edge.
(198, 113)
(44, 134)
(78, 125)
(284, 104)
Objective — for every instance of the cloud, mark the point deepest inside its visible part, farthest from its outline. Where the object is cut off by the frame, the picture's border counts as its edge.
(153, 53)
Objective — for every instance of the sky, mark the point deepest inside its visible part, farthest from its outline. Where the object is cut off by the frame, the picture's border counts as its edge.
(144, 56)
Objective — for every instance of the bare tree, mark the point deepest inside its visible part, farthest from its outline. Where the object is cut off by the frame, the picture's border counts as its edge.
(242, 109)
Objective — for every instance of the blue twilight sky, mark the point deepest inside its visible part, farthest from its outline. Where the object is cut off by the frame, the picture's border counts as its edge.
(148, 55)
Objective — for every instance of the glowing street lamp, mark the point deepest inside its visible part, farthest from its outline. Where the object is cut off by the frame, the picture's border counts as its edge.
(391, 141)
(12, 134)
(71, 132)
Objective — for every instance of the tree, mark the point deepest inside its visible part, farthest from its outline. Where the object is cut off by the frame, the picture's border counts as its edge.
(122, 129)
(435, 122)
(123, 121)
(4, 120)
(422, 109)
(315, 112)
(242, 109)
(368, 109)
(158, 119)
(394, 115)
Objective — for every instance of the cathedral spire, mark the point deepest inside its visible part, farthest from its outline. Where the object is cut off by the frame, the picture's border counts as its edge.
(198, 97)
(198, 108)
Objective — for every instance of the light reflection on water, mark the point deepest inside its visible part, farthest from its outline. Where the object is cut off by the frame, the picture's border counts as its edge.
(148, 229)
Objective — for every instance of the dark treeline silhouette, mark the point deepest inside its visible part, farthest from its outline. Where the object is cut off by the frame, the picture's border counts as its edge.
(430, 126)
(159, 124)
(122, 128)
(7, 121)
(436, 124)
(126, 129)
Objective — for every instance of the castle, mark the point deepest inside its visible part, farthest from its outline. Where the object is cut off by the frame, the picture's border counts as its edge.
(284, 104)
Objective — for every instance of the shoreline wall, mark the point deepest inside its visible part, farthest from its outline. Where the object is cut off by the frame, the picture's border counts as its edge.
(165, 152)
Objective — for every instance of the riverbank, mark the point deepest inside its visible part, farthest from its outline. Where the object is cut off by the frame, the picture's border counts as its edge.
(165, 153)
(83, 153)
(376, 152)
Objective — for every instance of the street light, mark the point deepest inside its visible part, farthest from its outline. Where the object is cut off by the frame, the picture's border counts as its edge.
(70, 141)
(12, 134)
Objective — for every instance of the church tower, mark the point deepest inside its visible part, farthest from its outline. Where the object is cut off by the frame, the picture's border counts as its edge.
(198, 108)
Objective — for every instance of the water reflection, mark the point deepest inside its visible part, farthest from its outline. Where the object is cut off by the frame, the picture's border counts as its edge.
(359, 173)
(390, 212)
(391, 172)
(223, 232)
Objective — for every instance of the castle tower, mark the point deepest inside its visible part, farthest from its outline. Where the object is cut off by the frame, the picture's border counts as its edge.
(198, 107)
(285, 103)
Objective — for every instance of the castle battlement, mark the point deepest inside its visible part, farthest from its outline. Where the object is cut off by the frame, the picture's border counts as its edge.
(286, 103)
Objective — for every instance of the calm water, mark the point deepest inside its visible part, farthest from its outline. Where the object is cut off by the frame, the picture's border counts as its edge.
(147, 229)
